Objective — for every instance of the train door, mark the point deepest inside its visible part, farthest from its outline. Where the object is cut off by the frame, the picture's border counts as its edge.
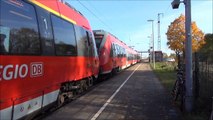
(115, 54)
(83, 51)
(94, 55)
(89, 53)
(46, 34)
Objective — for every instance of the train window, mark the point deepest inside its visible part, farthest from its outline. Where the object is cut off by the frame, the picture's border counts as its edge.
(45, 31)
(92, 45)
(64, 36)
(122, 53)
(95, 52)
(89, 42)
(120, 48)
(98, 40)
(81, 38)
(19, 30)
(88, 39)
(119, 51)
(116, 50)
(113, 50)
(125, 53)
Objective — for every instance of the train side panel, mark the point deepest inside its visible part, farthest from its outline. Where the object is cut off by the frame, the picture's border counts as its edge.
(39, 62)
(114, 54)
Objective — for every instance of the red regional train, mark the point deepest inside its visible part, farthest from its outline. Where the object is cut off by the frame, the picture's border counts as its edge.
(114, 55)
(47, 54)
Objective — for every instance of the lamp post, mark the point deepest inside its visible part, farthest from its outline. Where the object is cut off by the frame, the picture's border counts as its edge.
(159, 37)
(188, 54)
(150, 47)
(153, 43)
(150, 40)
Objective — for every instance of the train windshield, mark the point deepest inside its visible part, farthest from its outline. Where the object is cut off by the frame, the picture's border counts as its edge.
(98, 39)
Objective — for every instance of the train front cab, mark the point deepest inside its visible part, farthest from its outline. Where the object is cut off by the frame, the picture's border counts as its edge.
(111, 51)
(103, 44)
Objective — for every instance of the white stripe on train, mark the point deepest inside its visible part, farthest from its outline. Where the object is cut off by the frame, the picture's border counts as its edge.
(28, 107)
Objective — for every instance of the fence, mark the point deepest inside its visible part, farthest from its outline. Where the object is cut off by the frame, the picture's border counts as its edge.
(203, 79)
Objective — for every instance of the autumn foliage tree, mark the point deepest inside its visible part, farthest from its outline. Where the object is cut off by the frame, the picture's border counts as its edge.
(207, 50)
(176, 36)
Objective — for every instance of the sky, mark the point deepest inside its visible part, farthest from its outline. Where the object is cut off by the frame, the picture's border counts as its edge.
(127, 19)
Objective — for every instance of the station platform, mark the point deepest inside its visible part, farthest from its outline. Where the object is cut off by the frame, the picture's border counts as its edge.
(134, 93)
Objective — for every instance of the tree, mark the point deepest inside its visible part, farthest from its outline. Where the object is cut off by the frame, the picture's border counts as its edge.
(176, 36)
(207, 49)
(165, 55)
(172, 55)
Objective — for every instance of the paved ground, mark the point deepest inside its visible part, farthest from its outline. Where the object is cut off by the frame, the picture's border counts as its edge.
(142, 97)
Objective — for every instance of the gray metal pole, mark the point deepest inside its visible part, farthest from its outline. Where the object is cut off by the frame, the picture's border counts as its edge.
(153, 40)
(159, 37)
(153, 49)
(159, 47)
(149, 48)
(188, 59)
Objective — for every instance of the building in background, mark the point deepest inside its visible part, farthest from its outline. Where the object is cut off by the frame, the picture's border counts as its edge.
(158, 56)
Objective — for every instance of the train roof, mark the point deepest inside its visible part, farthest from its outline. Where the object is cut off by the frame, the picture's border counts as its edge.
(121, 42)
(63, 10)
(103, 32)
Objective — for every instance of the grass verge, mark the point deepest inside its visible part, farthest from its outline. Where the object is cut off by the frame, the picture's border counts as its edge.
(165, 71)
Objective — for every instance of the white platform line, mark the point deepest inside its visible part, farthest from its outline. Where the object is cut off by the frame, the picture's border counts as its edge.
(110, 99)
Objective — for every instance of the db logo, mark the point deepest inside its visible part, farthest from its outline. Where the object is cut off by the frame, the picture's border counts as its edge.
(36, 69)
